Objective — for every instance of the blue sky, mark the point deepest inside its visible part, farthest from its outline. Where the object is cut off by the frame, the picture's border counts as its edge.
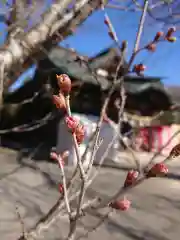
(92, 37)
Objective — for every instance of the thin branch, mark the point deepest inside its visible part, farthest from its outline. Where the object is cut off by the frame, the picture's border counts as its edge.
(64, 186)
(139, 33)
(94, 228)
(23, 228)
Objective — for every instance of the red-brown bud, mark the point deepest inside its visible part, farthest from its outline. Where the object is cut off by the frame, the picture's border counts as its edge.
(151, 47)
(139, 68)
(64, 83)
(158, 36)
(170, 32)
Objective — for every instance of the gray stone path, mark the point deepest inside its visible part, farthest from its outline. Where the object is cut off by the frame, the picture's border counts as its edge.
(155, 212)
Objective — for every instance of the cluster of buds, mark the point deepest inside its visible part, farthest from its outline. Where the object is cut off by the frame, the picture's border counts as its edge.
(122, 205)
(160, 36)
(131, 178)
(157, 170)
(64, 84)
(75, 127)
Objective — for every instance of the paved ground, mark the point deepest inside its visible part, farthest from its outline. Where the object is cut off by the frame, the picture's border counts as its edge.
(32, 186)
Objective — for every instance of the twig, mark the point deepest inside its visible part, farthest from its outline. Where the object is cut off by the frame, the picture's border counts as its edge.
(30, 126)
(94, 228)
(139, 33)
(73, 222)
(105, 105)
(65, 193)
(24, 233)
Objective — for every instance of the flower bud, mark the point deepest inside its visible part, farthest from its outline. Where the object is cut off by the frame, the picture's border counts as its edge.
(139, 68)
(59, 101)
(170, 32)
(122, 205)
(72, 123)
(61, 188)
(158, 170)
(64, 83)
(131, 178)
(80, 133)
(158, 36)
(151, 47)
(54, 156)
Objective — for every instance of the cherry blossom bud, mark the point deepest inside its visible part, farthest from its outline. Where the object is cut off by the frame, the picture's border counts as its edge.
(72, 123)
(170, 32)
(61, 188)
(64, 83)
(54, 156)
(158, 36)
(80, 133)
(151, 47)
(159, 169)
(131, 178)
(139, 68)
(59, 101)
(122, 205)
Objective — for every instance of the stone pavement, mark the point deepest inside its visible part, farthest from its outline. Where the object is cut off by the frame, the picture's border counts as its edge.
(32, 187)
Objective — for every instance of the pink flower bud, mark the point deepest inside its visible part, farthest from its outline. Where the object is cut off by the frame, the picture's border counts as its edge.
(131, 177)
(80, 133)
(122, 205)
(61, 188)
(72, 123)
(54, 156)
(59, 101)
(159, 169)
